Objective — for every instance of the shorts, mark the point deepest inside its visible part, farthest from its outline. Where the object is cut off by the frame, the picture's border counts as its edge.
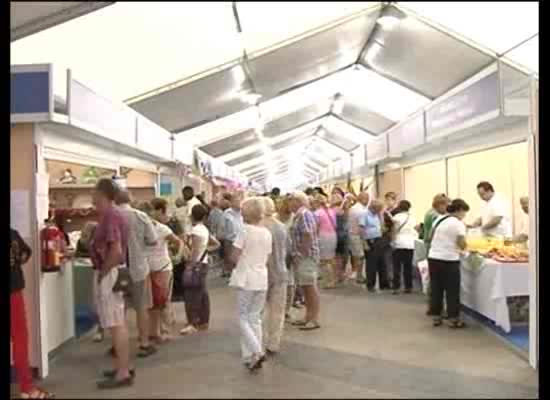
(306, 271)
(141, 296)
(161, 284)
(109, 305)
(356, 246)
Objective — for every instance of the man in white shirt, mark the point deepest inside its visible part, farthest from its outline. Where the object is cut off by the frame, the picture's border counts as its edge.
(141, 236)
(183, 213)
(356, 215)
(495, 214)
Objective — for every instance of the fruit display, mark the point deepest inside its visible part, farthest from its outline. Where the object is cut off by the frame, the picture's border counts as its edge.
(509, 254)
(498, 249)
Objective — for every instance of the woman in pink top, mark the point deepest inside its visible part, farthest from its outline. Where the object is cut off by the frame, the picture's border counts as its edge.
(326, 223)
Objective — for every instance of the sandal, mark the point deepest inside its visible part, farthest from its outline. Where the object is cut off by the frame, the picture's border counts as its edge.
(299, 323)
(36, 393)
(457, 324)
(146, 351)
(111, 373)
(438, 322)
(309, 326)
(115, 384)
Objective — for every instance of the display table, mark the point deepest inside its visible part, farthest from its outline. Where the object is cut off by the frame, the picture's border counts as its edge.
(485, 289)
(83, 275)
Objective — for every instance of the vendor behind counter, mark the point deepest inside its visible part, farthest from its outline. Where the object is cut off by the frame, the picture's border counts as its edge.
(495, 219)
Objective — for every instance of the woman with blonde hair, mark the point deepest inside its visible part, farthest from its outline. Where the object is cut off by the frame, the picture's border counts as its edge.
(277, 279)
(251, 251)
(326, 225)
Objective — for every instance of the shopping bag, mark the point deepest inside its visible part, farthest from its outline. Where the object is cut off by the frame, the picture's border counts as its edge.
(424, 275)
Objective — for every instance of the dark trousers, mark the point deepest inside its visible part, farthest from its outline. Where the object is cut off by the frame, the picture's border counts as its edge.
(197, 304)
(445, 280)
(228, 265)
(402, 261)
(376, 265)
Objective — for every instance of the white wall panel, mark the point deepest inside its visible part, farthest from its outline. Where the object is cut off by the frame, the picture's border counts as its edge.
(154, 139)
(98, 114)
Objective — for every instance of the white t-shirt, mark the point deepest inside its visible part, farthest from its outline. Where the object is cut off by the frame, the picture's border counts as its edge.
(524, 225)
(497, 207)
(183, 215)
(255, 243)
(158, 256)
(404, 239)
(355, 216)
(202, 233)
(443, 246)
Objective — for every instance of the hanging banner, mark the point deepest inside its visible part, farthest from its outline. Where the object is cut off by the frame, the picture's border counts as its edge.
(480, 101)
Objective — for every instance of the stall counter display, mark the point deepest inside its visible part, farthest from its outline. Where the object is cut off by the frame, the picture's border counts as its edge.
(500, 250)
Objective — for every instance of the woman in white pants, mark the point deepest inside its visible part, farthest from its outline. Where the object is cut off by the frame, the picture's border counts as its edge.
(250, 253)
(277, 279)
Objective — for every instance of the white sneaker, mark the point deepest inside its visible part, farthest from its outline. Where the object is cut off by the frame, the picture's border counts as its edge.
(188, 330)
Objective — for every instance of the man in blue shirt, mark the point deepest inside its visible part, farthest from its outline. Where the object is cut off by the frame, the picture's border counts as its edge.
(232, 226)
(371, 231)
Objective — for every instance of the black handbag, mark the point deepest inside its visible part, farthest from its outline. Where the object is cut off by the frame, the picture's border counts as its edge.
(123, 281)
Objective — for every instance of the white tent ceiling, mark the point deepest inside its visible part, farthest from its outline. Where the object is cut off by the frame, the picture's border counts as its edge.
(30, 17)
(181, 64)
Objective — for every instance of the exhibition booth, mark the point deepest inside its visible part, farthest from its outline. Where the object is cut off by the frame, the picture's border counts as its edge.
(483, 130)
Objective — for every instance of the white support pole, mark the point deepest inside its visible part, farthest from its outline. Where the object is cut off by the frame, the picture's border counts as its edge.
(533, 229)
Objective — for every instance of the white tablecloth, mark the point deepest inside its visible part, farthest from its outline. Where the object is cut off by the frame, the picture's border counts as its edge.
(486, 289)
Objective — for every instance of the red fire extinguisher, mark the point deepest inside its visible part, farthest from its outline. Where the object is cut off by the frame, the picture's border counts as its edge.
(52, 247)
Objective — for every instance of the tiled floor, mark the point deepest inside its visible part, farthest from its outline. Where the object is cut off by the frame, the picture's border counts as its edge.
(370, 346)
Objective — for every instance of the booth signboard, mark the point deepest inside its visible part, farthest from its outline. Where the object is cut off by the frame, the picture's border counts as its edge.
(407, 136)
(31, 93)
(473, 105)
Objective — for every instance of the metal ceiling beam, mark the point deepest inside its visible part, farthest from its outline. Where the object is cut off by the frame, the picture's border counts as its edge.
(338, 117)
(340, 148)
(49, 21)
(280, 137)
(244, 59)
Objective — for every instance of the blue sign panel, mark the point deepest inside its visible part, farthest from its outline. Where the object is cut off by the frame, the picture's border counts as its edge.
(30, 92)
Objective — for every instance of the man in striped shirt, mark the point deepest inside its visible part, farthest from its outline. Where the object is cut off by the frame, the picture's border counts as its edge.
(305, 258)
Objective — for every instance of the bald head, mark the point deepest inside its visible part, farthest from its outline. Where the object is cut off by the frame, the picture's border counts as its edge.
(524, 201)
(363, 197)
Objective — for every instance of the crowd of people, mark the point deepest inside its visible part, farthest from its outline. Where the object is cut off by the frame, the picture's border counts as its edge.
(275, 250)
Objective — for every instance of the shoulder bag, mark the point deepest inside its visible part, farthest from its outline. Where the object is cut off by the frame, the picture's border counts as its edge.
(401, 226)
(432, 233)
(123, 281)
(192, 275)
